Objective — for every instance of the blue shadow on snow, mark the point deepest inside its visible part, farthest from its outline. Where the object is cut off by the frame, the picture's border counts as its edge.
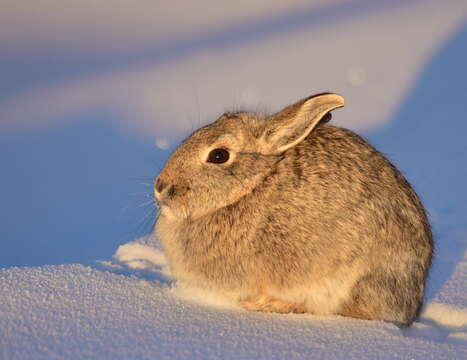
(427, 139)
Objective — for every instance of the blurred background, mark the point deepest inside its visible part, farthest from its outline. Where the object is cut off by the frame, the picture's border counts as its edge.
(94, 96)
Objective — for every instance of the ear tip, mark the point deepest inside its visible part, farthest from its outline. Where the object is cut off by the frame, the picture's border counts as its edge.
(337, 98)
(331, 98)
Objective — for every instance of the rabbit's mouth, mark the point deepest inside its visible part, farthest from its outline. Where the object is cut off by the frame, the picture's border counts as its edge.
(170, 205)
(171, 193)
(163, 201)
(169, 212)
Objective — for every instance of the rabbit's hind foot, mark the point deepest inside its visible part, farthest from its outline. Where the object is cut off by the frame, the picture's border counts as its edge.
(270, 304)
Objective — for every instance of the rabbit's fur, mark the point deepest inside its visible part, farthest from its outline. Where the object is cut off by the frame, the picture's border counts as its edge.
(303, 217)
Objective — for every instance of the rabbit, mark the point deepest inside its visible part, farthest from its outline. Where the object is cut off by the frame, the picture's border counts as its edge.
(288, 214)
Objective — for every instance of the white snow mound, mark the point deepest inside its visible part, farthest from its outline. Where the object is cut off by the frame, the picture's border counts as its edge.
(129, 309)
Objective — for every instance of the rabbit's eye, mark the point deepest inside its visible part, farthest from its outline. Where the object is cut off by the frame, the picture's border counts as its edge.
(218, 156)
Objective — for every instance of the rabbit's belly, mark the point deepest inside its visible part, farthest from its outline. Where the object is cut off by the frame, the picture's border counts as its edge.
(319, 292)
(322, 297)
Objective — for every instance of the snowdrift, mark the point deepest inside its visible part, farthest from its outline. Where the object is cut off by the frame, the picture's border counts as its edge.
(129, 308)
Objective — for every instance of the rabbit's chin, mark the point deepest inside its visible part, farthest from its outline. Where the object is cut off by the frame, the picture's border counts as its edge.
(173, 213)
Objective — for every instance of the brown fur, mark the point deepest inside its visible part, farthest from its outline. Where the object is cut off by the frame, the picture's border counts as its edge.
(314, 212)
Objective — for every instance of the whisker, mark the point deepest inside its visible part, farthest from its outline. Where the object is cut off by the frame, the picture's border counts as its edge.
(146, 203)
(143, 193)
(146, 184)
(141, 178)
(198, 106)
(148, 219)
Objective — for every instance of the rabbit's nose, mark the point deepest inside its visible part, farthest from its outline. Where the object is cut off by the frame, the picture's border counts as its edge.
(160, 185)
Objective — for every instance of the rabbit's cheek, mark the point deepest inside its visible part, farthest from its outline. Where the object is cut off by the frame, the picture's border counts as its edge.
(168, 213)
(176, 210)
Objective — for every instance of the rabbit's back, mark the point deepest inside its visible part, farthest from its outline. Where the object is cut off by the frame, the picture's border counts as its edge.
(353, 214)
(339, 181)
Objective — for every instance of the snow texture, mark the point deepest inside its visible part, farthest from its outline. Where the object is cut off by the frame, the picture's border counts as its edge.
(129, 308)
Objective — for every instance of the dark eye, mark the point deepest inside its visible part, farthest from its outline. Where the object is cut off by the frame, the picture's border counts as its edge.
(218, 156)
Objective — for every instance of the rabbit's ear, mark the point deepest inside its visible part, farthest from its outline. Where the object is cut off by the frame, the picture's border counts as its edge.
(291, 125)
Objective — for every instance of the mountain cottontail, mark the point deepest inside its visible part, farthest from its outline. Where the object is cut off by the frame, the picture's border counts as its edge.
(288, 214)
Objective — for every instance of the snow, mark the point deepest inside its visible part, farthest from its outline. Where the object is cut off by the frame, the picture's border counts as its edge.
(128, 308)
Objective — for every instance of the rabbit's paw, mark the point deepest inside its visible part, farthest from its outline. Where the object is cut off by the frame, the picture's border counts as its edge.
(269, 304)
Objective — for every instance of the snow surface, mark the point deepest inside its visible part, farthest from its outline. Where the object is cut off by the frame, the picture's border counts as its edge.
(128, 308)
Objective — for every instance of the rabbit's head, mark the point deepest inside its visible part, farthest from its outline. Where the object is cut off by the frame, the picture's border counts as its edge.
(228, 159)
